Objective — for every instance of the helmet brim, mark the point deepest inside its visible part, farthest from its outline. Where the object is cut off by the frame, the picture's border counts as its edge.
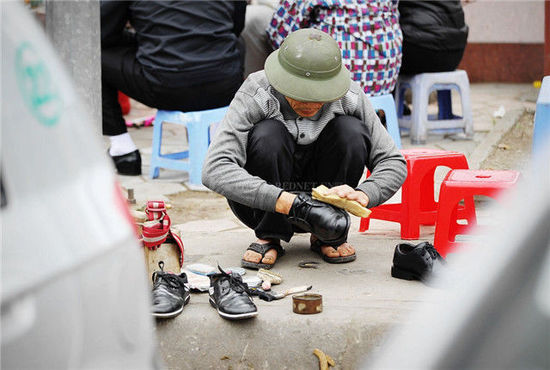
(306, 89)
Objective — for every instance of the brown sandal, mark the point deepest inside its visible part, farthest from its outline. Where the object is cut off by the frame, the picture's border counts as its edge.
(262, 249)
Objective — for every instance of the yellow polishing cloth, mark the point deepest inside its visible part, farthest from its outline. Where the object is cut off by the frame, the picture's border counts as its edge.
(355, 208)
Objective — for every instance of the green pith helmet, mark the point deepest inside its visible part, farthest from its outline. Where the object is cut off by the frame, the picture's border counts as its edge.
(308, 67)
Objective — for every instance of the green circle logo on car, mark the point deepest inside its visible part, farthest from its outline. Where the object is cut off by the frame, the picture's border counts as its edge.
(36, 85)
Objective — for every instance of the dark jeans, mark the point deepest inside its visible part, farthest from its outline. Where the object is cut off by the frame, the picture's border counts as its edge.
(417, 59)
(121, 71)
(337, 157)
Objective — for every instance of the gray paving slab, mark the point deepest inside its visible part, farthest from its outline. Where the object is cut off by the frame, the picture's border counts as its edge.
(360, 302)
(144, 191)
(491, 139)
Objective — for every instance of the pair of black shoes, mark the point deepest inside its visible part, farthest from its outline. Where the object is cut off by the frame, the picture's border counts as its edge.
(228, 294)
(128, 164)
(328, 223)
(417, 262)
(170, 293)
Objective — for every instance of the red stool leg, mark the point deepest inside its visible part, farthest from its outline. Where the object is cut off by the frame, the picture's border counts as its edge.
(445, 226)
(469, 212)
(454, 227)
(364, 225)
(410, 208)
(365, 221)
(418, 200)
(427, 202)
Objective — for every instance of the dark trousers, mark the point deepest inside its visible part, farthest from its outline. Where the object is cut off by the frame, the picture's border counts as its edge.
(417, 59)
(337, 157)
(121, 71)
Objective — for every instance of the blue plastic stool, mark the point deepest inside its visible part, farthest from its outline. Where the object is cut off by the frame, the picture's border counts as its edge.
(198, 134)
(419, 123)
(541, 131)
(387, 104)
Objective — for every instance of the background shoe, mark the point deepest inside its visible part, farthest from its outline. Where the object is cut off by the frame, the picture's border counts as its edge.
(416, 262)
(128, 164)
(231, 297)
(170, 293)
(328, 223)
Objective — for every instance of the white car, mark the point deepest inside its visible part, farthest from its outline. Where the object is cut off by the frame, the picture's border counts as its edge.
(74, 290)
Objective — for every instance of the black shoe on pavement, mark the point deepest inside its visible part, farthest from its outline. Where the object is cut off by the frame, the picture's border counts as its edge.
(170, 293)
(128, 164)
(231, 297)
(416, 262)
(328, 223)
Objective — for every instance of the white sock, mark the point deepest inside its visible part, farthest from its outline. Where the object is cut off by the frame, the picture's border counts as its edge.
(121, 144)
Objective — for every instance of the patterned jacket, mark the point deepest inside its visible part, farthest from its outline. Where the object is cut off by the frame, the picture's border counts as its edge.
(367, 32)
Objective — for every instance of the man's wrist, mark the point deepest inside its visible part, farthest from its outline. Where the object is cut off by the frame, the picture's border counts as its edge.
(284, 202)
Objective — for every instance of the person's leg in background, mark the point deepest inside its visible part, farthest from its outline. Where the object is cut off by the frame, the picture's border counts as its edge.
(258, 16)
(121, 71)
(201, 96)
(417, 59)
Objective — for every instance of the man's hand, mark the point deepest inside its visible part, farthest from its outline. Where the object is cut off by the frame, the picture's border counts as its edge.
(346, 191)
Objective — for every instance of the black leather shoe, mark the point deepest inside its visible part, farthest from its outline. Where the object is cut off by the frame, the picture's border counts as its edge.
(231, 297)
(416, 262)
(170, 293)
(128, 164)
(328, 223)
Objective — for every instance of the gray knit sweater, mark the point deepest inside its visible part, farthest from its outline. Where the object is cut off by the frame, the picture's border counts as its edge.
(255, 101)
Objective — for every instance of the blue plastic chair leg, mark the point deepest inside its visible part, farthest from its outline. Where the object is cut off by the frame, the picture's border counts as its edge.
(393, 128)
(401, 101)
(445, 105)
(197, 150)
(155, 155)
(387, 104)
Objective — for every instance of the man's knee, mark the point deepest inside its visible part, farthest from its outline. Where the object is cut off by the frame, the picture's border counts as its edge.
(347, 131)
(269, 136)
(269, 152)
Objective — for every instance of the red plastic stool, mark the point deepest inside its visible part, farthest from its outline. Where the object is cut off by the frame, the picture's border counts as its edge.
(417, 206)
(464, 184)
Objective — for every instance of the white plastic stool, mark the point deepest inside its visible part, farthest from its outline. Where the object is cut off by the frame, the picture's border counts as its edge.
(419, 123)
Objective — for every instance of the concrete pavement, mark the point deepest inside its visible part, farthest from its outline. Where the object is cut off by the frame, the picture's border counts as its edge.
(361, 301)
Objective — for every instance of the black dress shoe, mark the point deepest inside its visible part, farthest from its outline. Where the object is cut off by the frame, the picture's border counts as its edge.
(416, 262)
(231, 297)
(170, 293)
(328, 223)
(128, 164)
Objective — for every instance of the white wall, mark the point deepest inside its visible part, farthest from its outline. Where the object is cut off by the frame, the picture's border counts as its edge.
(505, 21)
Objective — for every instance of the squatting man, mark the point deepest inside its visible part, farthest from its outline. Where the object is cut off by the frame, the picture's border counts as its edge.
(300, 123)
